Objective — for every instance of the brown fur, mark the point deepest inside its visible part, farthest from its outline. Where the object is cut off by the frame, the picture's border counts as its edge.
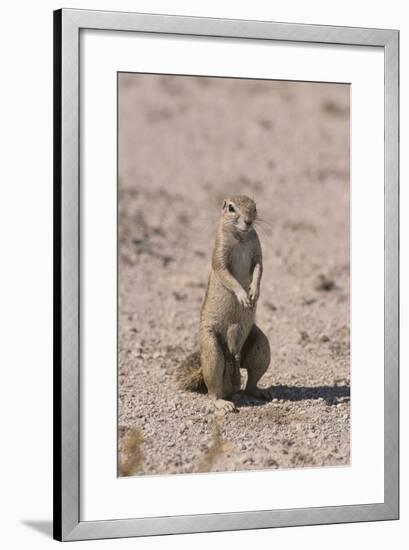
(229, 338)
(189, 374)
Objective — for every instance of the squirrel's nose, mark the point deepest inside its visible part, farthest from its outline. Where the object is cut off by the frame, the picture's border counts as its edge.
(248, 223)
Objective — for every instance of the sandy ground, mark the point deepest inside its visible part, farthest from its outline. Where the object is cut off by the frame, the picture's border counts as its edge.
(184, 144)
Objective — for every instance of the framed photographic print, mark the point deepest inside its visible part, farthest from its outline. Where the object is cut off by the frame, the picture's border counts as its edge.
(226, 274)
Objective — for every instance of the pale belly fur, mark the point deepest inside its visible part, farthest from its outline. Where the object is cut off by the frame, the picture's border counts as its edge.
(221, 308)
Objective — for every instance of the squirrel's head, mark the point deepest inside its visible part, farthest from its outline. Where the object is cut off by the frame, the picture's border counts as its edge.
(239, 213)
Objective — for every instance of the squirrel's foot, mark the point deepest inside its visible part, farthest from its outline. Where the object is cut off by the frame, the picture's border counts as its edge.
(223, 406)
(260, 393)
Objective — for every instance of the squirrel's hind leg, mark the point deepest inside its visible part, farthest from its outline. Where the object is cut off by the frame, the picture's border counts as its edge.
(255, 358)
(213, 368)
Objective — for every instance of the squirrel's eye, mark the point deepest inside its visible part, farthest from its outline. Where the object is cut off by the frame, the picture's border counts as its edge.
(231, 209)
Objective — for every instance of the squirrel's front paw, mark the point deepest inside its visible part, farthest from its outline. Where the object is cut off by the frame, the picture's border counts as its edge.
(254, 294)
(243, 299)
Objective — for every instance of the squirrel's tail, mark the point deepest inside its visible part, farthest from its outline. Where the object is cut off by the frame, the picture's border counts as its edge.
(189, 374)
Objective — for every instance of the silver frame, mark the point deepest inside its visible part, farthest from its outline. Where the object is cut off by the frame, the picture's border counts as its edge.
(67, 25)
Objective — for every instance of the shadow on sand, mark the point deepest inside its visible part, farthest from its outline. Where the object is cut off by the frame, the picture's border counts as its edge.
(330, 394)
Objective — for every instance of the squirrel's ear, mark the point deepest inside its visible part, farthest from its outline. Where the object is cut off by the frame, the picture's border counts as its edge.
(224, 205)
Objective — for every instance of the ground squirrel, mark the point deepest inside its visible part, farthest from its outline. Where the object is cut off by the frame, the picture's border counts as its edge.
(228, 336)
